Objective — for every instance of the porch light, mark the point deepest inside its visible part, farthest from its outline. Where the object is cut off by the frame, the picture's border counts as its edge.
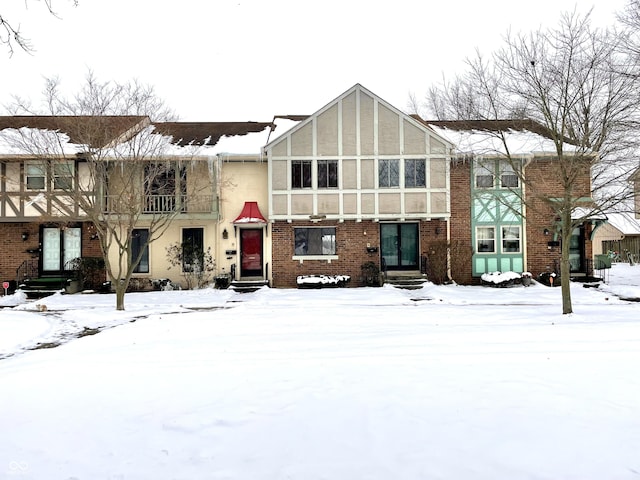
(546, 232)
(25, 236)
(225, 234)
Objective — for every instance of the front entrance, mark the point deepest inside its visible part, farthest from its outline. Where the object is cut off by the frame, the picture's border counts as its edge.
(59, 247)
(250, 252)
(576, 250)
(399, 242)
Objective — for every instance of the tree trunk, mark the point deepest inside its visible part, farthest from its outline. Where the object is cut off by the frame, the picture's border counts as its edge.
(121, 288)
(565, 266)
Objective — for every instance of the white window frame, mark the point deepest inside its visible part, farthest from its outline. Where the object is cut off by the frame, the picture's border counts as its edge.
(38, 171)
(490, 240)
(507, 170)
(484, 169)
(505, 237)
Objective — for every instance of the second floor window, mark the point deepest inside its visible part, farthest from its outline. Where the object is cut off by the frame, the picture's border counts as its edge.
(414, 173)
(36, 175)
(62, 175)
(484, 174)
(389, 173)
(301, 174)
(508, 176)
(327, 173)
(59, 172)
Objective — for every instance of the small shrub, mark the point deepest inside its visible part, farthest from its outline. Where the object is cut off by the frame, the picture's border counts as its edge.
(370, 274)
(197, 265)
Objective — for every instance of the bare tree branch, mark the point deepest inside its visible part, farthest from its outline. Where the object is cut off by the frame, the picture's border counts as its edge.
(11, 33)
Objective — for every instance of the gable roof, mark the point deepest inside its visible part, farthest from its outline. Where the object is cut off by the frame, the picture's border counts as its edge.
(304, 120)
(96, 131)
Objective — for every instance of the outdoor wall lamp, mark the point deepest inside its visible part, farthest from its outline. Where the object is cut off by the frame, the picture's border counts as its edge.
(438, 230)
(225, 234)
(25, 236)
(546, 232)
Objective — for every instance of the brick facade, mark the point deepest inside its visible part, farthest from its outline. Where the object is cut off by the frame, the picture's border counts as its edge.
(351, 248)
(460, 181)
(14, 249)
(539, 257)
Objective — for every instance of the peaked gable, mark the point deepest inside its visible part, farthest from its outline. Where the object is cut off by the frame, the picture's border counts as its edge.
(358, 122)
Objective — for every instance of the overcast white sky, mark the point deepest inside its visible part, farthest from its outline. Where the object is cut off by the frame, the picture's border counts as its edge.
(252, 59)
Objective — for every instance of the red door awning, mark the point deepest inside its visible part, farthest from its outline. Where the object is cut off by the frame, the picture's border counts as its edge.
(250, 214)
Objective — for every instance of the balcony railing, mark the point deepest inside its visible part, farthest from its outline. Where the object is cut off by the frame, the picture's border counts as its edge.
(154, 204)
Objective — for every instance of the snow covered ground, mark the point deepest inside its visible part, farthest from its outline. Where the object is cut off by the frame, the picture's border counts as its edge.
(445, 382)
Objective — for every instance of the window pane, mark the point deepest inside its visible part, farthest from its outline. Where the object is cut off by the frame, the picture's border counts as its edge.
(301, 241)
(511, 239)
(327, 173)
(192, 249)
(35, 173)
(322, 174)
(508, 176)
(333, 174)
(315, 241)
(301, 174)
(383, 173)
(414, 173)
(35, 183)
(139, 237)
(389, 173)
(485, 239)
(328, 241)
(484, 173)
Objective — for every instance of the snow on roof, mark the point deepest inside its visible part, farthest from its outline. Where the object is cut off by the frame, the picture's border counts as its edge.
(485, 138)
(625, 222)
(27, 140)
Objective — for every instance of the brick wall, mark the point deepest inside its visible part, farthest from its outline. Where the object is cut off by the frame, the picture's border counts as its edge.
(543, 174)
(460, 179)
(13, 250)
(351, 245)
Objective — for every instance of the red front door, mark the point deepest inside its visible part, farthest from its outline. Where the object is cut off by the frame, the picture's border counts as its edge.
(250, 252)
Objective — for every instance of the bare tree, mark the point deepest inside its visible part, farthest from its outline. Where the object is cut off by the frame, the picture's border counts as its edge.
(630, 20)
(581, 84)
(116, 170)
(11, 34)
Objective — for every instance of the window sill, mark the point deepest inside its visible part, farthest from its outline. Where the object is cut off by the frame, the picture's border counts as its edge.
(326, 258)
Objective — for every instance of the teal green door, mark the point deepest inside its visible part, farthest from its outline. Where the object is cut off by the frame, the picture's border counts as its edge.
(399, 245)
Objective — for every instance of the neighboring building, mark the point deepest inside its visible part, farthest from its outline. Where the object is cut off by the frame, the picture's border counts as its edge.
(358, 181)
(510, 228)
(41, 229)
(45, 229)
(620, 234)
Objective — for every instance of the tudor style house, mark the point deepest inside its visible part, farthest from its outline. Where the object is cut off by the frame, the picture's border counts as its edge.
(358, 181)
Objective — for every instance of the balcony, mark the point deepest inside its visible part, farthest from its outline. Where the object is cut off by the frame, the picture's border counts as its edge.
(161, 204)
